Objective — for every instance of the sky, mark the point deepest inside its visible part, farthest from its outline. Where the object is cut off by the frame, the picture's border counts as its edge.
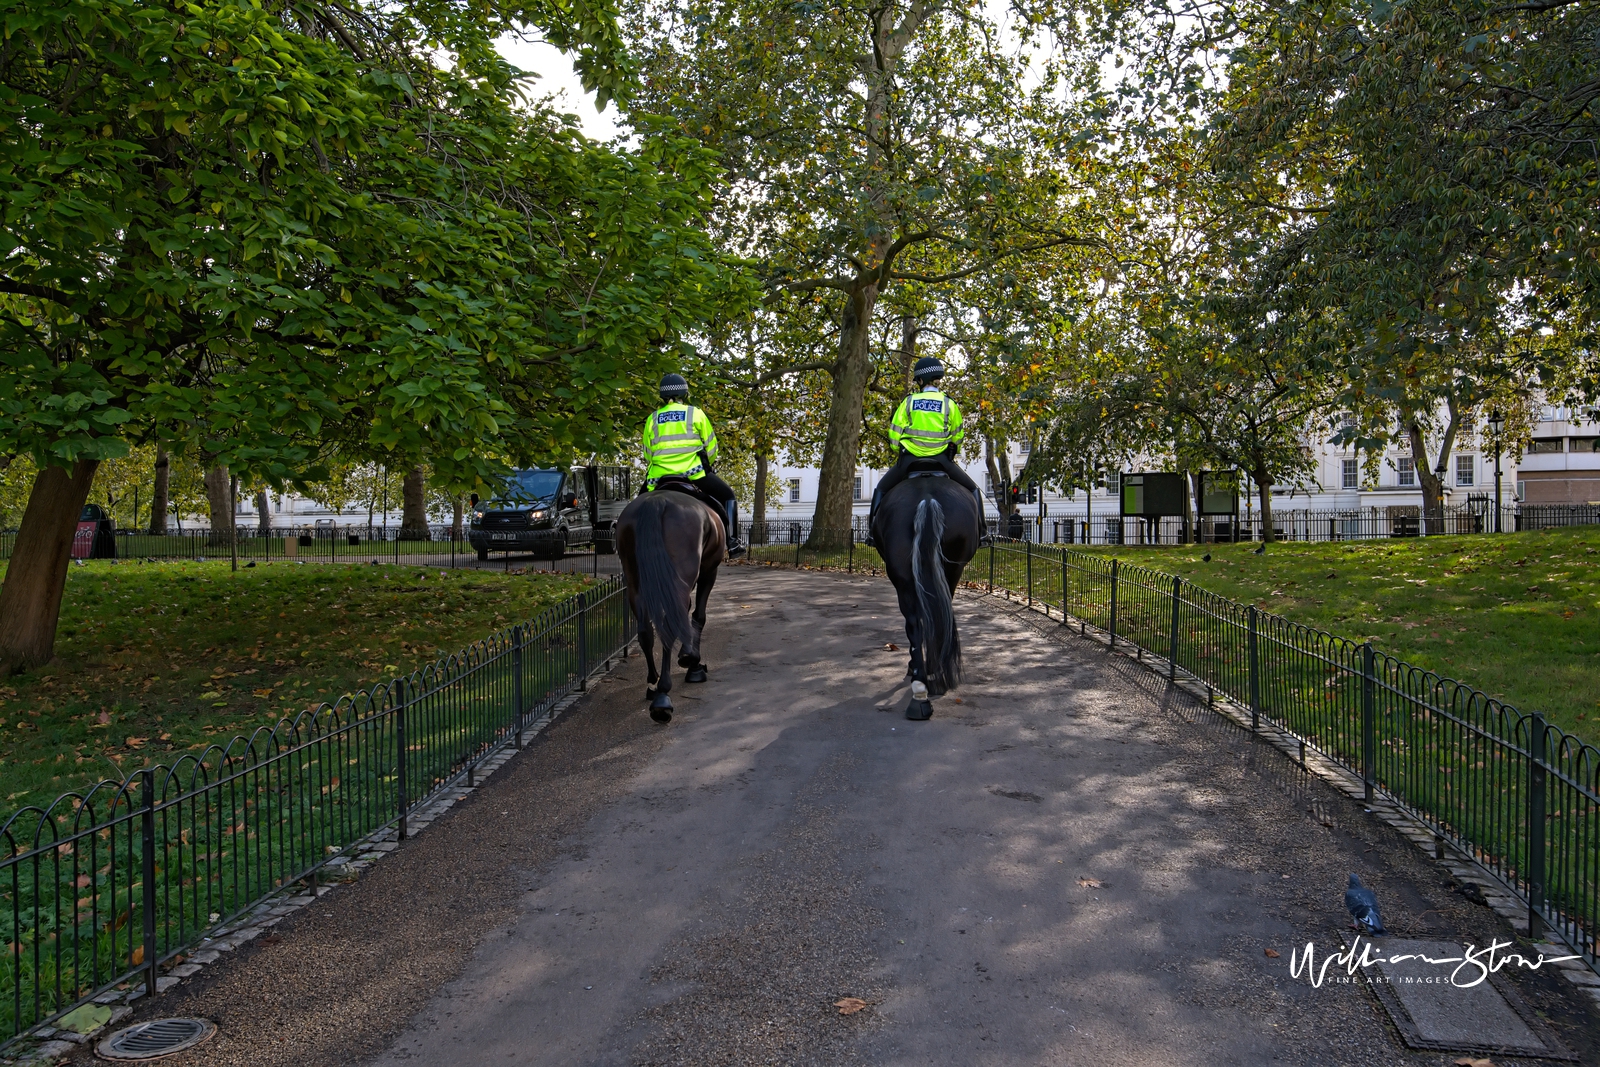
(556, 79)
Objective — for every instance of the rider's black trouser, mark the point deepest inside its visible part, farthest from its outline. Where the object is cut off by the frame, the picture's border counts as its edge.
(902, 469)
(722, 493)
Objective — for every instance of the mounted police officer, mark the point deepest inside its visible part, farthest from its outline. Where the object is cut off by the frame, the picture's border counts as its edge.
(679, 441)
(926, 427)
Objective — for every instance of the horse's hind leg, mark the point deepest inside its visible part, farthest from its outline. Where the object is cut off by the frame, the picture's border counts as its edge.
(690, 659)
(647, 645)
(919, 708)
(660, 701)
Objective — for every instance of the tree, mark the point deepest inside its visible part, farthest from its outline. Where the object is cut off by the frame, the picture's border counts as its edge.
(869, 145)
(414, 505)
(246, 230)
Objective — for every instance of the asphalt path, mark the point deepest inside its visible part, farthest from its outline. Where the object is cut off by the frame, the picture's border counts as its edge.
(1071, 864)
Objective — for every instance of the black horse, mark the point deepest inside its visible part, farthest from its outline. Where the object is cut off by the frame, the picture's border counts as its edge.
(927, 530)
(669, 545)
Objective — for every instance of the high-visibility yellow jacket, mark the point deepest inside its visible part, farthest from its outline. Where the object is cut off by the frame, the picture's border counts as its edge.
(674, 437)
(926, 423)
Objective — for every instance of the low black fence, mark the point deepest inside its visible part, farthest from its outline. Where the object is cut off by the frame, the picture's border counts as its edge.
(1354, 524)
(1511, 790)
(101, 889)
(1351, 524)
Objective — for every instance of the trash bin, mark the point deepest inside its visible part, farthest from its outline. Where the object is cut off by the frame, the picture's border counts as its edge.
(96, 537)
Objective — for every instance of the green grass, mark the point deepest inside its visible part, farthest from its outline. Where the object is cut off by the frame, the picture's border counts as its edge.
(1517, 615)
(156, 659)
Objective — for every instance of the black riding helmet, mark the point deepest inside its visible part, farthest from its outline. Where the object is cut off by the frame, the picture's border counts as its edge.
(674, 387)
(927, 369)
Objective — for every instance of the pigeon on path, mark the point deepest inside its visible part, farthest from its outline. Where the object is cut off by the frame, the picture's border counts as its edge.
(1206, 558)
(1362, 904)
(1262, 551)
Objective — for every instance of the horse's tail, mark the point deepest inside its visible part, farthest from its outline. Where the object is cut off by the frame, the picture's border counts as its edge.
(662, 598)
(941, 649)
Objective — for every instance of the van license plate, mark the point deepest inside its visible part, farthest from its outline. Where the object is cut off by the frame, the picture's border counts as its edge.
(503, 537)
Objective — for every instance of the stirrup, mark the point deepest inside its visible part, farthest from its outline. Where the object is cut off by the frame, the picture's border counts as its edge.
(736, 548)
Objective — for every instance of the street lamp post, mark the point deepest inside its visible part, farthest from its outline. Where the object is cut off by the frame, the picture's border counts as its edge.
(1497, 424)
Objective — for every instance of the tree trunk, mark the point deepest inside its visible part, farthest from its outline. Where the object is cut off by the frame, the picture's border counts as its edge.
(219, 495)
(414, 505)
(758, 506)
(36, 578)
(836, 484)
(999, 463)
(1263, 482)
(909, 331)
(263, 513)
(456, 511)
(161, 501)
(1431, 483)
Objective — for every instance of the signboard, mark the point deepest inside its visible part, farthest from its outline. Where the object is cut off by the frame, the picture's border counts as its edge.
(1151, 495)
(1219, 492)
(83, 540)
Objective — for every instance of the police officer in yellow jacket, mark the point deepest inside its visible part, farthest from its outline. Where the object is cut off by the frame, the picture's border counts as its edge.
(926, 426)
(679, 441)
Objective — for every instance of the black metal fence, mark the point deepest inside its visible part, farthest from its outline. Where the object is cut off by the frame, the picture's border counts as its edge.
(1354, 524)
(320, 544)
(100, 889)
(1513, 791)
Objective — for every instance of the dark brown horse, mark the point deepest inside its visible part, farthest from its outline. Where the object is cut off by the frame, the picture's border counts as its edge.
(669, 545)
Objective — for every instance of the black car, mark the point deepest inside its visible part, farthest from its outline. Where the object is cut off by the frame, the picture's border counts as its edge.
(545, 512)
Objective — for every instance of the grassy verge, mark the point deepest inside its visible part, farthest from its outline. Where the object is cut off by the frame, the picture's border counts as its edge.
(155, 659)
(1517, 616)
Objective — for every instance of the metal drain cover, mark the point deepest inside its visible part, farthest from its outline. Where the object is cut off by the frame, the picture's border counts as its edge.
(155, 1039)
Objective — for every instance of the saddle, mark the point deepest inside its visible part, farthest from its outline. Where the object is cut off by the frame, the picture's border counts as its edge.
(678, 484)
(927, 468)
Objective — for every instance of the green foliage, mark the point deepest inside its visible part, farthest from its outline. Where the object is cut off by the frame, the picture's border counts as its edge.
(248, 231)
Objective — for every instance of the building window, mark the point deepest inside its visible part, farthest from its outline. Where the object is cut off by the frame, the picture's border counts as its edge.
(1023, 446)
(1350, 474)
(855, 490)
(794, 490)
(1406, 468)
(1541, 445)
(1466, 468)
(1114, 483)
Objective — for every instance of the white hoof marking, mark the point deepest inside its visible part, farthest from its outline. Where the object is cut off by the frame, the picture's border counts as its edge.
(919, 691)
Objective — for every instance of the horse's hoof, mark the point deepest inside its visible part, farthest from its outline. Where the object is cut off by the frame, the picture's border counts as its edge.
(661, 708)
(697, 673)
(919, 711)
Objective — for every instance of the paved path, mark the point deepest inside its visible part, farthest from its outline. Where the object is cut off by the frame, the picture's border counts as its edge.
(1074, 865)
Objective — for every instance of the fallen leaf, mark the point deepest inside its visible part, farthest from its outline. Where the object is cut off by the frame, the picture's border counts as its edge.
(83, 880)
(849, 1005)
(1089, 883)
(1468, 1061)
(262, 692)
(1272, 952)
(103, 718)
(136, 742)
(891, 647)
(212, 695)
(138, 956)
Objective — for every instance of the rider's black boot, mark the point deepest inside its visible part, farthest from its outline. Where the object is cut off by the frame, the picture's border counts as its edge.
(983, 527)
(736, 546)
(872, 514)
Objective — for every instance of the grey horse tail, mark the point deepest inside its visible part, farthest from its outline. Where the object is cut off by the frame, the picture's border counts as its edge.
(941, 651)
(662, 598)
